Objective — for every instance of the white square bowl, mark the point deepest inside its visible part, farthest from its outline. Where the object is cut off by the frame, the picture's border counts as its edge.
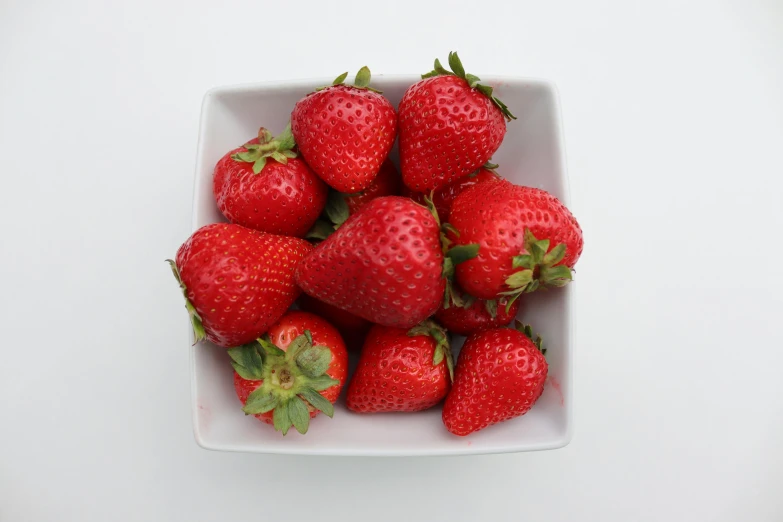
(531, 154)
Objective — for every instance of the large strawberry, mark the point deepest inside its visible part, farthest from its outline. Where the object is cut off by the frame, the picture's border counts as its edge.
(401, 370)
(527, 239)
(449, 126)
(263, 185)
(237, 281)
(444, 197)
(295, 371)
(476, 315)
(352, 328)
(500, 374)
(345, 132)
(386, 263)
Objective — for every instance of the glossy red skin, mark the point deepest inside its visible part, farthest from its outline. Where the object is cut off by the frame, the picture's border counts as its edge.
(444, 197)
(447, 130)
(500, 374)
(495, 215)
(396, 373)
(344, 134)
(386, 183)
(384, 264)
(352, 328)
(475, 318)
(281, 199)
(239, 280)
(281, 334)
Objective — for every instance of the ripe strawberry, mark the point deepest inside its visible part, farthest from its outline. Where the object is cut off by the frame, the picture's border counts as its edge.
(352, 328)
(477, 315)
(295, 371)
(402, 370)
(236, 281)
(500, 374)
(263, 185)
(449, 125)
(345, 132)
(385, 264)
(527, 239)
(444, 197)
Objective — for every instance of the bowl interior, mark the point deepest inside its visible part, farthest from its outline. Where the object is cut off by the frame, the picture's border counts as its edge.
(531, 154)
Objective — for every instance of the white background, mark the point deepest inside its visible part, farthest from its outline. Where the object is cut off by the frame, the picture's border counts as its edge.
(673, 118)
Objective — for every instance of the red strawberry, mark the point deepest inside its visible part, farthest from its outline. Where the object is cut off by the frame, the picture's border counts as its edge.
(527, 239)
(500, 374)
(401, 370)
(263, 185)
(291, 374)
(352, 328)
(477, 315)
(444, 197)
(345, 132)
(385, 264)
(450, 125)
(237, 281)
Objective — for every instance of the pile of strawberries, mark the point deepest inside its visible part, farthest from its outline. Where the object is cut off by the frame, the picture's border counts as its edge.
(328, 249)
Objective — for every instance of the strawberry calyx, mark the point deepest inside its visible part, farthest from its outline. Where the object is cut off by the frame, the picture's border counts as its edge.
(442, 346)
(278, 148)
(473, 81)
(361, 81)
(292, 380)
(195, 320)
(540, 268)
(528, 331)
(335, 213)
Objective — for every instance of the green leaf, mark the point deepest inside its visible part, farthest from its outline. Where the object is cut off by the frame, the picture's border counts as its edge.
(437, 357)
(279, 157)
(288, 153)
(490, 166)
(555, 255)
(451, 228)
(491, 306)
(260, 402)
(456, 65)
(448, 268)
(317, 401)
(510, 301)
(296, 347)
(442, 70)
(281, 418)
(247, 361)
(270, 348)
(321, 230)
(245, 156)
(259, 165)
(472, 79)
(538, 250)
(322, 382)
(362, 77)
(556, 276)
(336, 208)
(309, 336)
(297, 412)
(520, 279)
(314, 360)
(486, 90)
(461, 253)
(523, 261)
(286, 139)
(340, 79)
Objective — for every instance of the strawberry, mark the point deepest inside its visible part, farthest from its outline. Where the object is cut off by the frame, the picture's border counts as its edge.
(352, 328)
(527, 239)
(345, 132)
(263, 185)
(385, 264)
(236, 281)
(449, 125)
(476, 315)
(500, 374)
(444, 197)
(296, 371)
(401, 370)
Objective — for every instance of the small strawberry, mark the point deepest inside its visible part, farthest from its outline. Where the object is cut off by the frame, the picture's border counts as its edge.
(345, 132)
(295, 371)
(444, 197)
(500, 374)
(386, 263)
(450, 125)
(527, 239)
(476, 315)
(236, 281)
(402, 370)
(352, 328)
(263, 185)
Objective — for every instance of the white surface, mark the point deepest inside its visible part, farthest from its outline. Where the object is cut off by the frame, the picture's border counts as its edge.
(531, 154)
(673, 124)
